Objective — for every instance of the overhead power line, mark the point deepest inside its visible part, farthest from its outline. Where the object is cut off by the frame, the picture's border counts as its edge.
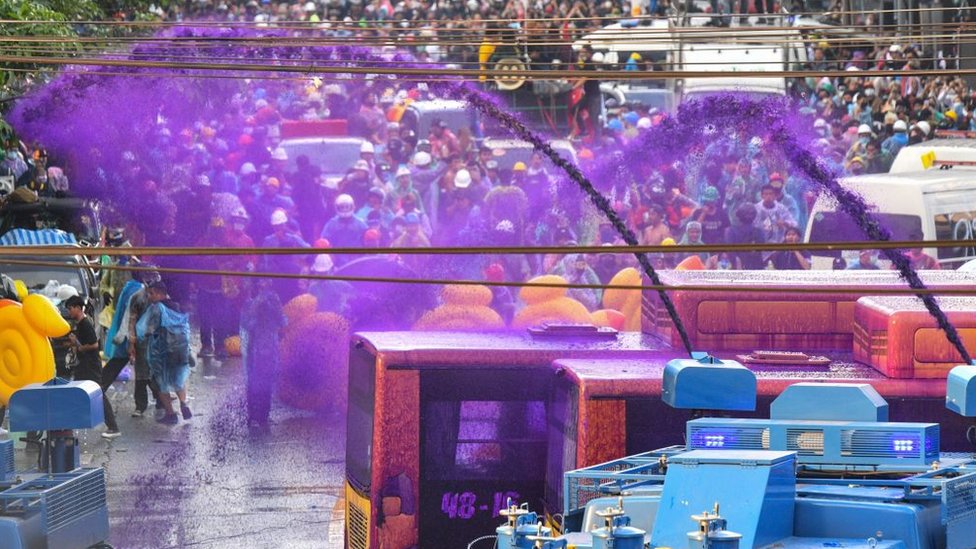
(47, 251)
(854, 289)
(434, 73)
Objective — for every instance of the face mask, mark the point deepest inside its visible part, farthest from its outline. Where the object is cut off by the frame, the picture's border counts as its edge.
(239, 227)
(864, 140)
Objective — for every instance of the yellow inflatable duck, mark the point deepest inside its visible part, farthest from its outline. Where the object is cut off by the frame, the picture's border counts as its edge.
(626, 301)
(25, 352)
(548, 304)
(465, 308)
(314, 357)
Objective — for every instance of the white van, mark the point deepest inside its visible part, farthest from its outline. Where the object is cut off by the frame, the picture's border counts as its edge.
(937, 153)
(928, 205)
(724, 57)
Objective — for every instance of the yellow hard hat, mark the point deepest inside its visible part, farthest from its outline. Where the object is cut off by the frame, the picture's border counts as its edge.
(668, 242)
(635, 56)
(519, 167)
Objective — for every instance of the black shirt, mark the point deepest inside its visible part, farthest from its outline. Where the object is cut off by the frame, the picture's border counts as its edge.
(89, 364)
(591, 86)
(713, 224)
(785, 260)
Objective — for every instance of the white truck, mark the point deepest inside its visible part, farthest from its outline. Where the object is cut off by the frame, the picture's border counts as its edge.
(919, 205)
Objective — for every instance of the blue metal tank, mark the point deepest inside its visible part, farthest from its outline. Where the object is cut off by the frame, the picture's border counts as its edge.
(521, 524)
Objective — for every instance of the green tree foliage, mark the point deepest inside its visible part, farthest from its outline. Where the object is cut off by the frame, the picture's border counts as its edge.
(37, 20)
(48, 28)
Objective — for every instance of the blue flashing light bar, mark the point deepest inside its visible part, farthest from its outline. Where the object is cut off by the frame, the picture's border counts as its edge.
(822, 442)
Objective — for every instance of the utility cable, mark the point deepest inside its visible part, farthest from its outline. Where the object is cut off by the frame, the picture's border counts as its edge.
(584, 19)
(434, 73)
(47, 250)
(767, 288)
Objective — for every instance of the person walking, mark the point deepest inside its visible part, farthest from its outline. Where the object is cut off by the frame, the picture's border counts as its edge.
(84, 341)
(261, 321)
(167, 332)
(138, 352)
(119, 354)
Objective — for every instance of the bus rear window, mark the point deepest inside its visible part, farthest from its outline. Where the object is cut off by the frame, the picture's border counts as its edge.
(482, 425)
(484, 439)
(563, 418)
(359, 418)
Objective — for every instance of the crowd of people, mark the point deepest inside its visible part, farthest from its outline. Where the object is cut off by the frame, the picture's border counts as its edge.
(227, 181)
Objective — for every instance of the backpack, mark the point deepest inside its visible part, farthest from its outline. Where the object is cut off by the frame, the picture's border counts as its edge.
(170, 343)
(175, 336)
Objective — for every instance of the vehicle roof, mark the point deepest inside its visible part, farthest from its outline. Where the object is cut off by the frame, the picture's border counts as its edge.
(516, 348)
(644, 37)
(899, 303)
(743, 85)
(909, 158)
(51, 204)
(628, 377)
(928, 181)
(439, 105)
(506, 143)
(951, 142)
(323, 139)
(624, 377)
(72, 259)
(617, 37)
(824, 279)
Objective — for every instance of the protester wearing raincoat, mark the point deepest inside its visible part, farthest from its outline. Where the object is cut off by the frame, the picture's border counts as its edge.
(261, 321)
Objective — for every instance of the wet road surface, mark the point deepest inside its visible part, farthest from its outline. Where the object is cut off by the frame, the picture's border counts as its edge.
(211, 482)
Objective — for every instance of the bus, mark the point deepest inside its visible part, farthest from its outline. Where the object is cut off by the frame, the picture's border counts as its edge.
(786, 320)
(443, 428)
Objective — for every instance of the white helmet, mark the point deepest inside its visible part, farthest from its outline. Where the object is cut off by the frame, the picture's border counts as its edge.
(279, 217)
(345, 205)
(900, 126)
(924, 127)
(239, 213)
(864, 129)
(402, 171)
(422, 158)
(247, 168)
(462, 179)
(644, 123)
(366, 147)
(323, 263)
(820, 123)
(279, 154)
(65, 291)
(597, 57)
